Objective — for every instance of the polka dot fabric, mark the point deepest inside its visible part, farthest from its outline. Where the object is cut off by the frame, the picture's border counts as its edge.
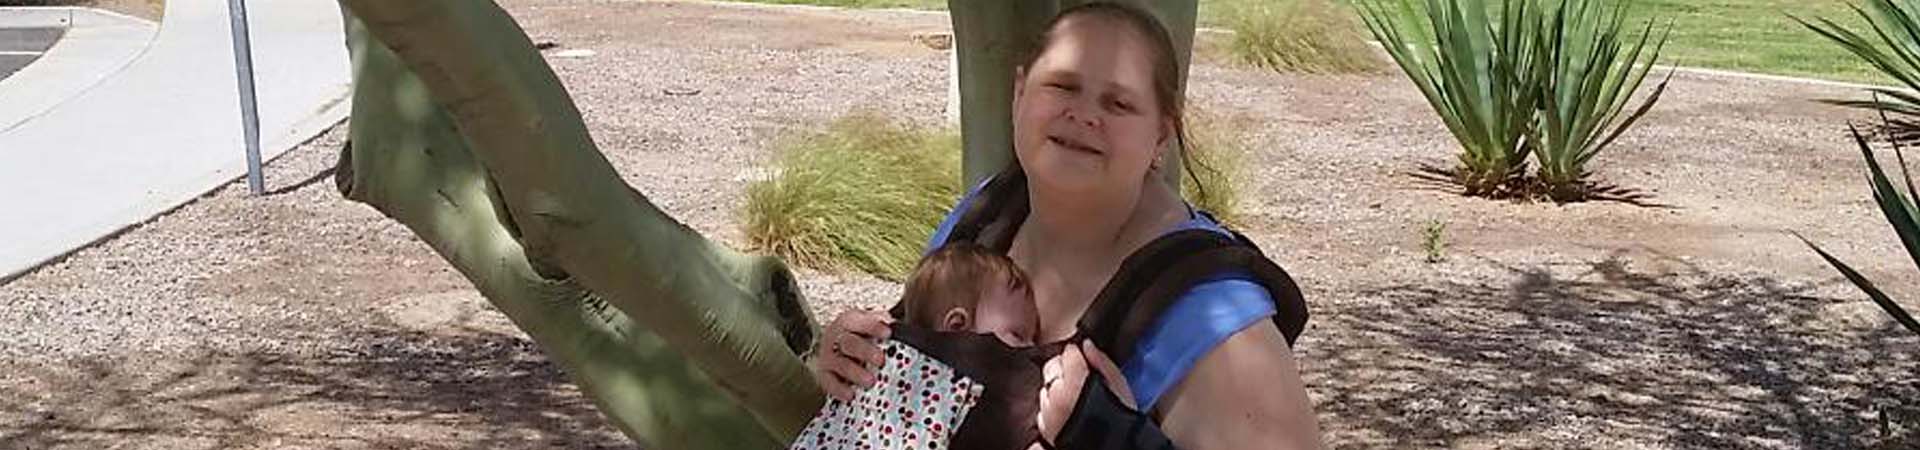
(916, 403)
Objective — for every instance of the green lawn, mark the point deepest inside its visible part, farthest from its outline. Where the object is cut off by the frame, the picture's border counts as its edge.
(1742, 35)
(1757, 36)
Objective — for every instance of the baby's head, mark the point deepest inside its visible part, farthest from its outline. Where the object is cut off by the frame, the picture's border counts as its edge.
(966, 287)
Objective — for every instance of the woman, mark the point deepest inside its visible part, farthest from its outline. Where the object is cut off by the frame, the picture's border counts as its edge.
(1095, 109)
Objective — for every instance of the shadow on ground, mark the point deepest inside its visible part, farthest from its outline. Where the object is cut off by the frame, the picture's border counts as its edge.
(1585, 354)
(1548, 356)
(390, 389)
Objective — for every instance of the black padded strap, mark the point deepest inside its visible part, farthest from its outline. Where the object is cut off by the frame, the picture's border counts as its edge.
(995, 214)
(1154, 277)
(1100, 421)
(1112, 320)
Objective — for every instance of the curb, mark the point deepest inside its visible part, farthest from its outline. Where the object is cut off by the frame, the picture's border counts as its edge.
(61, 16)
(1776, 78)
(65, 89)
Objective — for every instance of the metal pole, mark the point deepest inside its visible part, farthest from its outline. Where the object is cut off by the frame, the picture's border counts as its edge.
(249, 108)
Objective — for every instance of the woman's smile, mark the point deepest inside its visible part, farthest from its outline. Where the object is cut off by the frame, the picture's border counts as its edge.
(1074, 145)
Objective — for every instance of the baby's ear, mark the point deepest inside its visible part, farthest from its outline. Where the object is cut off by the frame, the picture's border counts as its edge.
(956, 319)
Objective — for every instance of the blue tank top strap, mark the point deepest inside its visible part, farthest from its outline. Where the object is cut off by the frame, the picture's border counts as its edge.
(1193, 325)
(941, 233)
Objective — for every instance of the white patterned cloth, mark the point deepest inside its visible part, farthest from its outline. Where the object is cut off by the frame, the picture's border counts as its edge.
(916, 403)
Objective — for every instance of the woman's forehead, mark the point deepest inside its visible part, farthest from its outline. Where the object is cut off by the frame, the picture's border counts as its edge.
(1097, 51)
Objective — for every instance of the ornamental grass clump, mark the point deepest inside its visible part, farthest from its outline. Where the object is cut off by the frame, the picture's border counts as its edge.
(864, 194)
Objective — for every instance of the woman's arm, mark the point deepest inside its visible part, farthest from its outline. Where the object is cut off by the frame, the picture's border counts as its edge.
(1244, 394)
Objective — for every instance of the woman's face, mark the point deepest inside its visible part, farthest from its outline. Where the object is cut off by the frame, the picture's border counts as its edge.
(1086, 121)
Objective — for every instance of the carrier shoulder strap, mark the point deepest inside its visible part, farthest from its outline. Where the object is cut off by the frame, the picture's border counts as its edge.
(1154, 277)
(990, 220)
(995, 213)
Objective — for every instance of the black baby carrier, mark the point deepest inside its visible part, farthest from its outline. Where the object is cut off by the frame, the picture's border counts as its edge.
(1148, 282)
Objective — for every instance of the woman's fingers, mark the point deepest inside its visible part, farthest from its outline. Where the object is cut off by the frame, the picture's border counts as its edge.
(1061, 380)
(849, 352)
(831, 383)
(874, 325)
(861, 343)
(1116, 381)
(865, 353)
(853, 369)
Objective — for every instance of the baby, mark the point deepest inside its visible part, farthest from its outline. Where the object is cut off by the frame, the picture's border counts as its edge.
(962, 354)
(966, 287)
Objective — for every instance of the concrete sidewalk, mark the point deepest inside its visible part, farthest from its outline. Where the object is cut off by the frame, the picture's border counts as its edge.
(97, 44)
(163, 128)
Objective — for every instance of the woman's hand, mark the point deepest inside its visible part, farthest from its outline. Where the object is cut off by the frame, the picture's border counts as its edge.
(848, 353)
(1065, 375)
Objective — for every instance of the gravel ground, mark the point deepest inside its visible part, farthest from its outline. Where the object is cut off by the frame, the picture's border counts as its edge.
(301, 320)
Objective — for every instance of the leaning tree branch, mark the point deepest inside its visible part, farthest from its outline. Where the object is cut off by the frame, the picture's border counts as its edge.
(484, 156)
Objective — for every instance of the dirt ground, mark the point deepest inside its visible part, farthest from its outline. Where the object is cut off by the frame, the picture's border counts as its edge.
(146, 9)
(301, 320)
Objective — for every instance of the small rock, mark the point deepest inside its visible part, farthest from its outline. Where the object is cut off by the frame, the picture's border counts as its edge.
(937, 40)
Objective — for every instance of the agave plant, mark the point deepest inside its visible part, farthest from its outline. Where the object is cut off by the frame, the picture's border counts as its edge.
(1901, 213)
(1896, 24)
(1596, 69)
(1482, 74)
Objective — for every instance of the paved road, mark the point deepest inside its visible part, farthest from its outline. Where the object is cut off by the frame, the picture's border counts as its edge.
(134, 133)
(21, 46)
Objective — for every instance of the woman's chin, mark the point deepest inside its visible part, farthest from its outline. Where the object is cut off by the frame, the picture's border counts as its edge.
(1059, 166)
(1067, 178)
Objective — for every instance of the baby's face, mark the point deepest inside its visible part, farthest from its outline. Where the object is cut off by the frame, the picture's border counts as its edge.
(1008, 312)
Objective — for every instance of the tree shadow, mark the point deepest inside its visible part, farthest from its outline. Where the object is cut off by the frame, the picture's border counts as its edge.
(1598, 354)
(386, 389)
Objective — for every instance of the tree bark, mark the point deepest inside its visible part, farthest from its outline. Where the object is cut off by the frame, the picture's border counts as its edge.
(683, 343)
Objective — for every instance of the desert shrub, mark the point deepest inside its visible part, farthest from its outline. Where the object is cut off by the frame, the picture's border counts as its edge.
(1216, 163)
(1305, 36)
(865, 194)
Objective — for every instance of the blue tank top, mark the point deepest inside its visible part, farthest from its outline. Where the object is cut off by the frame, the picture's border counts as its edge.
(1198, 321)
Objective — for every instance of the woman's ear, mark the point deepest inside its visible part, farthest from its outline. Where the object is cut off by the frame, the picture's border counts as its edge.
(957, 319)
(1167, 133)
(1019, 85)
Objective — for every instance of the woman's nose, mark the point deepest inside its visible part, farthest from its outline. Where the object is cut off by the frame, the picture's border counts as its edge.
(1083, 114)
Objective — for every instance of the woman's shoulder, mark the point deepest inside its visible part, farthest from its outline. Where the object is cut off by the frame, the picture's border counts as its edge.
(1198, 219)
(1204, 315)
(1199, 320)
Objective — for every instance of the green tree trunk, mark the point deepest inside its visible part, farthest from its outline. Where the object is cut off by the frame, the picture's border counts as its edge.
(991, 36)
(682, 343)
